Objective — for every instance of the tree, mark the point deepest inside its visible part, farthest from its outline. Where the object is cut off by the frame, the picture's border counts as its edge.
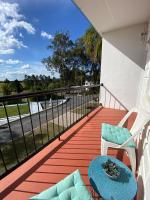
(93, 45)
(73, 59)
(6, 87)
(67, 58)
(16, 86)
(62, 53)
(37, 83)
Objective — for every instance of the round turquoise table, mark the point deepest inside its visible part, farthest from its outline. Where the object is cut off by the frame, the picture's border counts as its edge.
(123, 188)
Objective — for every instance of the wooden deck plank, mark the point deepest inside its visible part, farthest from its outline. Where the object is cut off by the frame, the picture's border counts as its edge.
(76, 153)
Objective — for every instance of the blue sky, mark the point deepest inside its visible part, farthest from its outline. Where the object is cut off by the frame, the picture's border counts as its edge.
(27, 26)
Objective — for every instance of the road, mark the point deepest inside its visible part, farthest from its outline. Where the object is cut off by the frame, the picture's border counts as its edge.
(15, 126)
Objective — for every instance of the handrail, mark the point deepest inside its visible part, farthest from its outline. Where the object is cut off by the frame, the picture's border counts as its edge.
(121, 104)
(32, 94)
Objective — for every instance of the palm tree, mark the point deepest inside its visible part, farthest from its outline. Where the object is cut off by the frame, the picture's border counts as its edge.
(93, 45)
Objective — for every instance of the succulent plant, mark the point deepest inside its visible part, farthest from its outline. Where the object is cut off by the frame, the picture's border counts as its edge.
(111, 169)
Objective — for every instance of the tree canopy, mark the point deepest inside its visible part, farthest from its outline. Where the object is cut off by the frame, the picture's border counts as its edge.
(16, 86)
(75, 59)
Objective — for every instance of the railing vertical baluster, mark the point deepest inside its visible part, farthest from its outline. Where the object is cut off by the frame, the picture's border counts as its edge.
(11, 134)
(92, 100)
(24, 139)
(83, 103)
(105, 99)
(58, 116)
(39, 120)
(53, 119)
(70, 110)
(99, 94)
(80, 104)
(62, 111)
(66, 113)
(73, 106)
(76, 106)
(109, 100)
(31, 125)
(80, 107)
(46, 119)
(114, 103)
(89, 101)
(86, 104)
(3, 160)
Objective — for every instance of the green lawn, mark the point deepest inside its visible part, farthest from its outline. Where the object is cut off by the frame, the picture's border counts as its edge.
(13, 111)
(8, 151)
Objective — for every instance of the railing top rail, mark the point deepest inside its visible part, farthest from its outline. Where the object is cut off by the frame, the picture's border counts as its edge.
(32, 94)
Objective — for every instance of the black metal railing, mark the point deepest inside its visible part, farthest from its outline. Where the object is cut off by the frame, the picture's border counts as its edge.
(109, 100)
(28, 122)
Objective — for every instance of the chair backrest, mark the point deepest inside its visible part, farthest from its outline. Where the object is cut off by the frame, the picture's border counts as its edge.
(142, 118)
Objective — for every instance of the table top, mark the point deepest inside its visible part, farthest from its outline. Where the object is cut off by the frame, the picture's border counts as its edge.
(123, 188)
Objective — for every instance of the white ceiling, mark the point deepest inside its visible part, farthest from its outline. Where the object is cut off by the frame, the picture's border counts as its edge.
(107, 15)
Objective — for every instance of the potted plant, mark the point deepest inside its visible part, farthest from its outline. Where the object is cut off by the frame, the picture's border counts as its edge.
(111, 169)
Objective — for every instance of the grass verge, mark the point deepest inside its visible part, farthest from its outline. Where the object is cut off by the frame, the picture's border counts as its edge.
(40, 139)
(13, 110)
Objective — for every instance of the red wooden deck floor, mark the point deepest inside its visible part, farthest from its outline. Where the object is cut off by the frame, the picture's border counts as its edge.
(75, 151)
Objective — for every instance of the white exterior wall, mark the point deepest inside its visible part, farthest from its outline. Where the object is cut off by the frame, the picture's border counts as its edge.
(123, 63)
(144, 142)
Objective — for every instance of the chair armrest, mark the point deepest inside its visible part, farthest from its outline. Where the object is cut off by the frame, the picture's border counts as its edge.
(131, 138)
(122, 122)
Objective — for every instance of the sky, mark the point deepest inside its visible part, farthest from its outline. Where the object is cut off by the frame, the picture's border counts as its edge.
(26, 29)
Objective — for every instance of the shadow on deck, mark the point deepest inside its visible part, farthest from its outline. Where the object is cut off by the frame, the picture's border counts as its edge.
(77, 147)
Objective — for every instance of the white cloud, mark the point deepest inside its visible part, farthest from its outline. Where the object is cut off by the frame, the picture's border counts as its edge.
(26, 66)
(10, 61)
(12, 75)
(13, 72)
(10, 22)
(7, 51)
(46, 35)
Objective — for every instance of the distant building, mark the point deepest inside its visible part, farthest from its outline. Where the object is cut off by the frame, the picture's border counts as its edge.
(88, 83)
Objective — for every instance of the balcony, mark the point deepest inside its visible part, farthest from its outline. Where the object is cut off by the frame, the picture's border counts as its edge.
(74, 149)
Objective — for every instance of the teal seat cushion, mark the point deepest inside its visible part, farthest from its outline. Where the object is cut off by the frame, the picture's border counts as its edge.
(117, 135)
(70, 188)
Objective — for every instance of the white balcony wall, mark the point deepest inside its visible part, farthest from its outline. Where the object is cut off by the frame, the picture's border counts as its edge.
(144, 142)
(123, 64)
